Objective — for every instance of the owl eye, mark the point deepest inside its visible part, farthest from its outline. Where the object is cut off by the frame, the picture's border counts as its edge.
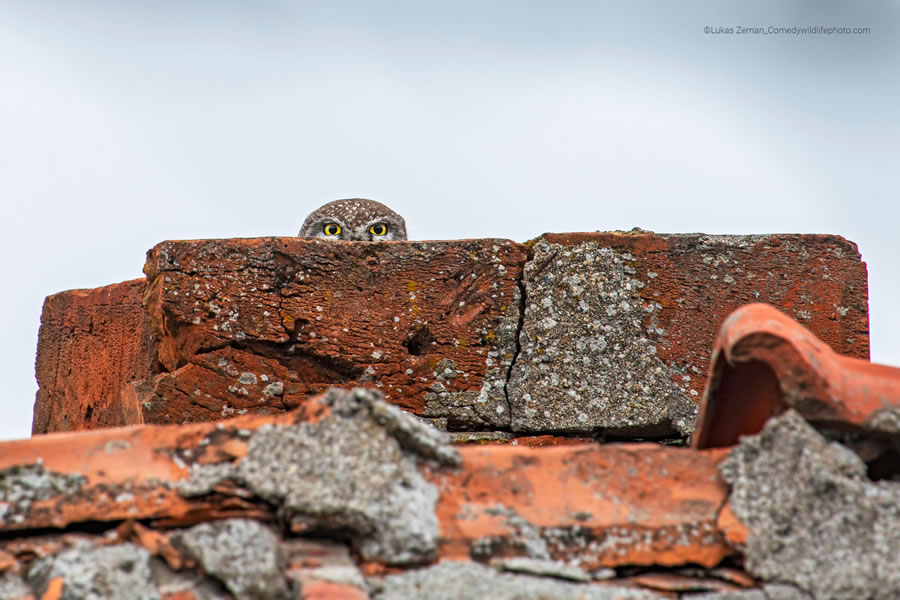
(378, 229)
(331, 229)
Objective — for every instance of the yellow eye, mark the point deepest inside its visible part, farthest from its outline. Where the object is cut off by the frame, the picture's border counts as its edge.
(331, 229)
(378, 229)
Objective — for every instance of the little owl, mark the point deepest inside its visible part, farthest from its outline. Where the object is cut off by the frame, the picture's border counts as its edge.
(354, 219)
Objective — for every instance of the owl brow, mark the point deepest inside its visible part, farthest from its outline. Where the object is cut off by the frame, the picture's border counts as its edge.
(376, 221)
(326, 220)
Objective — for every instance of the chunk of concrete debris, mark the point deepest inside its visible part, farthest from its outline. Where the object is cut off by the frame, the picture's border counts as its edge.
(814, 519)
(355, 471)
(117, 572)
(451, 580)
(243, 554)
(413, 434)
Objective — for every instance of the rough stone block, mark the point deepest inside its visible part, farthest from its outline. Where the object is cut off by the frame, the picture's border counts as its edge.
(618, 326)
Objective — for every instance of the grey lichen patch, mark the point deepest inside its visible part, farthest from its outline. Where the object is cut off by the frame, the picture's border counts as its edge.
(525, 536)
(347, 475)
(451, 580)
(118, 572)
(243, 554)
(586, 362)
(22, 485)
(813, 518)
(354, 472)
(488, 407)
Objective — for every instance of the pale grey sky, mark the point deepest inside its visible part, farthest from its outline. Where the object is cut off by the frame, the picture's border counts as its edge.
(123, 124)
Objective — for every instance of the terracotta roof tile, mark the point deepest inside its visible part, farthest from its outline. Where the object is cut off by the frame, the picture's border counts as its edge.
(765, 362)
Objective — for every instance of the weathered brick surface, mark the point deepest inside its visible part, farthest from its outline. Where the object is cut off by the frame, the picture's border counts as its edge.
(92, 343)
(618, 326)
(614, 337)
(432, 324)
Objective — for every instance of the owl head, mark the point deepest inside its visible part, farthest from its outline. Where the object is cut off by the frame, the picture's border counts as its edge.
(354, 219)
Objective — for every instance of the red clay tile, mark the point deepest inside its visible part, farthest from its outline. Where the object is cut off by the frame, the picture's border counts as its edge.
(127, 471)
(765, 362)
(325, 590)
(54, 589)
(8, 562)
(599, 506)
(674, 582)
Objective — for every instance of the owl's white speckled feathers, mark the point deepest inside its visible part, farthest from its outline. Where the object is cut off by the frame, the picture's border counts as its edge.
(354, 219)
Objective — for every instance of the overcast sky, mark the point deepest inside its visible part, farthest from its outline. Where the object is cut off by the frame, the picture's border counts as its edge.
(123, 124)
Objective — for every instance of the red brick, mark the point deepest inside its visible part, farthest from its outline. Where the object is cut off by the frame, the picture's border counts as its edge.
(818, 279)
(92, 344)
(430, 323)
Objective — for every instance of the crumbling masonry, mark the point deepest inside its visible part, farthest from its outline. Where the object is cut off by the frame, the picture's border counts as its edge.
(461, 419)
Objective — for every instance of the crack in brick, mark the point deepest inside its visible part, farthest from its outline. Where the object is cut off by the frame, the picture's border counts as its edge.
(523, 299)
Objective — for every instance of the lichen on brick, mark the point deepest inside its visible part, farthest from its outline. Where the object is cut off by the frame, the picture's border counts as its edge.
(586, 363)
(524, 536)
(22, 485)
(487, 407)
